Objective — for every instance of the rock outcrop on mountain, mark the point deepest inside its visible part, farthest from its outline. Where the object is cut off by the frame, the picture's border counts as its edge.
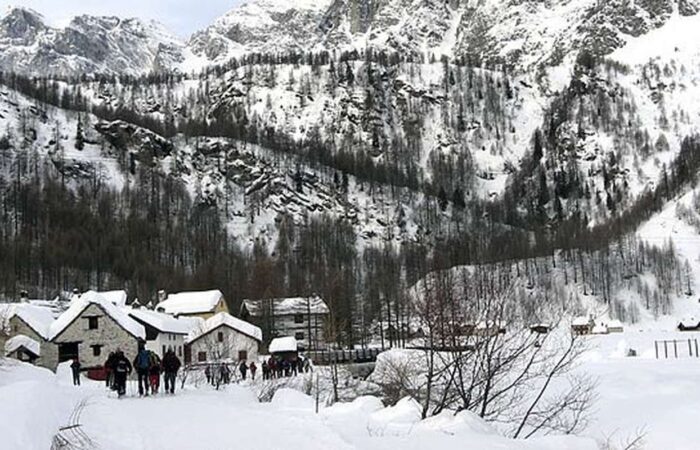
(86, 45)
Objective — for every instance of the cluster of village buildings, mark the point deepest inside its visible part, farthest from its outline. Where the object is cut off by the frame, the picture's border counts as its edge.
(197, 326)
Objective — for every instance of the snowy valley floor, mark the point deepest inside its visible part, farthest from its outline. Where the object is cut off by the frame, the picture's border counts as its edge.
(658, 397)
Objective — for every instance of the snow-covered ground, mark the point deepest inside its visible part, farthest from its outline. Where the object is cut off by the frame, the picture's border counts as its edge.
(642, 394)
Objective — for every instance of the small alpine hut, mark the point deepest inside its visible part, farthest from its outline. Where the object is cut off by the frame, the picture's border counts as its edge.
(92, 328)
(615, 326)
(284, 348)
(582, 326)
(689, 324)
(23, 348)
(204, 304)
(31, 322)
(223, 338)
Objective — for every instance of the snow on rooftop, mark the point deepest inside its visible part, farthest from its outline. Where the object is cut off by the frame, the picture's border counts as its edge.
(225, 319)
(581, 321)
(93, 298)
(283, 344)
(287, 306)
(164, 323)
(117, 298)
(38, 318)
(191, 302)
(19, 341)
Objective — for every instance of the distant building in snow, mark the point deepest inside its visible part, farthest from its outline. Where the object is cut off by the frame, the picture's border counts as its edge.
(32, 322)
(23, 348)
(204, 304)
(689, 324)
(582, 325)
(303, 318)
(163, 331)
(285, 348)
(223, 338)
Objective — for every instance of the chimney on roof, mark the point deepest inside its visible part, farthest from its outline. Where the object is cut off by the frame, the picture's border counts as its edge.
(136, 304)
(162, 295)
(23, 296)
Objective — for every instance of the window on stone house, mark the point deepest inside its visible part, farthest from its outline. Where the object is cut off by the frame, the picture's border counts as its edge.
(242, 355)
(92, 323)
(298, 318)
(299, 336)
(96, 350)
(202, 356)
(220, 336)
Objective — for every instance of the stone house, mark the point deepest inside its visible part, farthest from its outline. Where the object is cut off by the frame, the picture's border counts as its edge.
(204, 304)
(223, 338)
(304, 318)
(92, 328)
(32, 322)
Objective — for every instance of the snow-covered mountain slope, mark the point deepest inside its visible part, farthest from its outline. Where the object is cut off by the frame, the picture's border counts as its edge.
(264, 26)
(87, 45)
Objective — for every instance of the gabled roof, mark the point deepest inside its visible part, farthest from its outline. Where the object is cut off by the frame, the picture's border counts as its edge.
(19, 341)
(581, 321)
(191, 302)
(162, 322)
(37, 318)
(283, 344)
(78, 306)
(286, 306)
(117, 298)
(224, 319)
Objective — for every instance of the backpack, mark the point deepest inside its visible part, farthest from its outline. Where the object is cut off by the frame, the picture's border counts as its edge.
(142, 360)
(121, 366)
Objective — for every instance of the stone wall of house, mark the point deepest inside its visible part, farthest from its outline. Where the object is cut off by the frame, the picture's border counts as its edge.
(233, 343)
(49, 351)
(109, 335)
(287, 326)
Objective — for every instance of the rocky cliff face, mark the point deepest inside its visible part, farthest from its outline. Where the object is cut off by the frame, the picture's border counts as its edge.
(87, 45)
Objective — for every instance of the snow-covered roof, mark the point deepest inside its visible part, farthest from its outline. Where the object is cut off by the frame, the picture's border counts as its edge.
(37, 318)
(225, 319)
(117, 298)
(19, 341)
(162, 322)
(689, 322)
(488, 324)
(599, 329)
(283, 344)
(614, 324)
(93, 298)
(191, 302)
(287, 306)
(581, 321)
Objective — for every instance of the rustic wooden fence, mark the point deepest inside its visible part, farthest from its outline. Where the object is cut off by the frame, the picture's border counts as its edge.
(327, 357)
(676, 348)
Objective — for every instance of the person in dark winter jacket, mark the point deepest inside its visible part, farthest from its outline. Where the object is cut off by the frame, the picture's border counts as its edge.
(207, 373)
(265, 371)
(142, 363)
(243, 368)
(122, 369)
(253, 368)
(75, 369)
(109, 371)
(171, 364)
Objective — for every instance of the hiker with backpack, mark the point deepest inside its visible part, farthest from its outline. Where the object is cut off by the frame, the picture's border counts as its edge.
(171, 364)
(142, 363)
(121, 369)
(243, 368)
(154, 372)
(253, 369)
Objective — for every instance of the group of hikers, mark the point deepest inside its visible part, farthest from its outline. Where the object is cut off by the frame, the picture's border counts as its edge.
(282, 367)
(218, 374)
(148, 366)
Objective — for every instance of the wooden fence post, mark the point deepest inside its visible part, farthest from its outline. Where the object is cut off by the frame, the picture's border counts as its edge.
(656, 349)
(666, 349)
(675, 348)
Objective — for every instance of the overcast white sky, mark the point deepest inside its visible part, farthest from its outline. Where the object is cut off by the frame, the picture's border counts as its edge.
(182, 17)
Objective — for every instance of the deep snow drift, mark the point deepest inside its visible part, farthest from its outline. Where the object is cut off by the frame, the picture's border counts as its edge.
(657, 397)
